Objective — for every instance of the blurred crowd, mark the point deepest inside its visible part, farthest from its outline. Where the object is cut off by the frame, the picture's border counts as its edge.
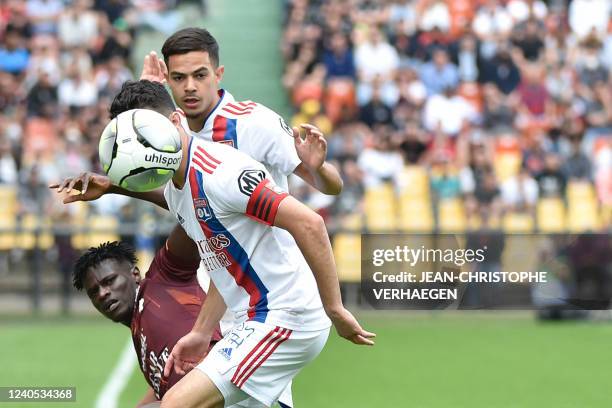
(502, 102)
(61, 63)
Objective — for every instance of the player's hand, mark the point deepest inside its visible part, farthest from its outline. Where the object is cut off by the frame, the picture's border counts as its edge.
(312, 150)
(187, 353)
(90, 185)
(348, 327)
(154, 69)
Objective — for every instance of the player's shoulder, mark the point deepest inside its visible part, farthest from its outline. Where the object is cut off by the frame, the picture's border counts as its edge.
(249, 113)
(240, 109)
(219, 159)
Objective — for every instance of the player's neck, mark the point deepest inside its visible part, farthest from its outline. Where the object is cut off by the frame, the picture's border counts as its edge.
(179, 175)
(197, 123)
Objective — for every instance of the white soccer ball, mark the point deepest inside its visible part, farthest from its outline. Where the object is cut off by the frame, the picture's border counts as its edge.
(140, 150)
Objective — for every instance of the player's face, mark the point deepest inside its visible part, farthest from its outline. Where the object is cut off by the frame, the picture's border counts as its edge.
(194, 82)
(111, 286)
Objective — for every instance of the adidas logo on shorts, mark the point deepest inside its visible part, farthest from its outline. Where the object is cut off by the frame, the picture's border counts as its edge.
(226, 352)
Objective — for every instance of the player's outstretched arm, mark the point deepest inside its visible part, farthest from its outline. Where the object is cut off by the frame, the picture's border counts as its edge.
(312, 151)
(193, 347)
(310, 234)
(92, 186)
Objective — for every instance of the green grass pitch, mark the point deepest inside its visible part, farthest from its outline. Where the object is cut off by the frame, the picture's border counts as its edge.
(420, 360)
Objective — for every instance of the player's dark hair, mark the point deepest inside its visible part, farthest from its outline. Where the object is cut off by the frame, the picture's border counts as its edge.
(191, 39)
(142, 94)
(94, 256)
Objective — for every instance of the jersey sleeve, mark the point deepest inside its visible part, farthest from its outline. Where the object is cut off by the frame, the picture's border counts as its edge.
(171, 268)
(268, 139)
(248, 189)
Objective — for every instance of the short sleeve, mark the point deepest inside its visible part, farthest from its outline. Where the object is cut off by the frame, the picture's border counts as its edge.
(268, 139)
(171, 268)
(247, 189)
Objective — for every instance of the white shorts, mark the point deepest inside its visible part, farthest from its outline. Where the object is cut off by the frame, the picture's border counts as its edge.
(257, 360)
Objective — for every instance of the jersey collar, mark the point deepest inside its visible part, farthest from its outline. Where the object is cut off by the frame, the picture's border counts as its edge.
(224, 98)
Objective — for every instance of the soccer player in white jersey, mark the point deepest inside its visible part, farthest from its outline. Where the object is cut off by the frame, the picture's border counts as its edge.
(227, 203)
(194, 73)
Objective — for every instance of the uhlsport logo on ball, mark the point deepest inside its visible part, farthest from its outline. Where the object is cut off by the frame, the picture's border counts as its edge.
(140, 150)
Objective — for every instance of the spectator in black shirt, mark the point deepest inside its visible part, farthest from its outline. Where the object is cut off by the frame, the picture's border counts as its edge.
(551, 180)
(376, 112)
(529, 40)
(42, 98)
(577, 166)
(502, 71)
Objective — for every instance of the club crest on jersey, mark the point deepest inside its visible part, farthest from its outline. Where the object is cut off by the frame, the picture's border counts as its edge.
(249, 180)
(227, 142)
(202, 211)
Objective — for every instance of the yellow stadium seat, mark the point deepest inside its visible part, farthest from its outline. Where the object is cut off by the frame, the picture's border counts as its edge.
(414, 182)
(583, 216)
(518, 222)
(8, 200)
(507, 165)
(347, 251)
(451, 216)
(415, 214)
(7, 237)
(380, 208)
(606, 215)
(551, 215)
(352, 222)
(579, 190)
(103, 228)
(27, 237)
(79, 212)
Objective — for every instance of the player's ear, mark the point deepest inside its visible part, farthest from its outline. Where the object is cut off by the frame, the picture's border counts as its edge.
(219, 73)
(136, 274)
(175, 118)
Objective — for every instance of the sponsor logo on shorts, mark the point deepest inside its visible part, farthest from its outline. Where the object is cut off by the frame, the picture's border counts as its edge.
(226, 352)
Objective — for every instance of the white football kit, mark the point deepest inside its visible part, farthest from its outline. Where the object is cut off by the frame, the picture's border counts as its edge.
(263, 135)
(227, 206)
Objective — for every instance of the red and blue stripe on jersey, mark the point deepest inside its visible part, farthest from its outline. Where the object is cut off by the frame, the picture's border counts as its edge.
(224, 131)
(240, 268)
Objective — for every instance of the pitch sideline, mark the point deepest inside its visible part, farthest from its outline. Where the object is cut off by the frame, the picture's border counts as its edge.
(118, 378)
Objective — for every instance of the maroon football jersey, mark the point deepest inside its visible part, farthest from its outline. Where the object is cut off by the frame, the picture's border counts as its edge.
(167, 304)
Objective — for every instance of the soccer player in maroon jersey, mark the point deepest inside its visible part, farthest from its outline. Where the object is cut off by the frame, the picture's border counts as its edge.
(159, 308)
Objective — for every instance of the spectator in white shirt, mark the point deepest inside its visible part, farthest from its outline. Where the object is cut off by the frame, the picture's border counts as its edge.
(380, 163)
(376, 57)
(44, 15)
(435, 15)
(491, 21)
(78, 25)
(8, 166)
(520, 192)
(521, 10)
(448, 112)
(589, 16)
(76, 91)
